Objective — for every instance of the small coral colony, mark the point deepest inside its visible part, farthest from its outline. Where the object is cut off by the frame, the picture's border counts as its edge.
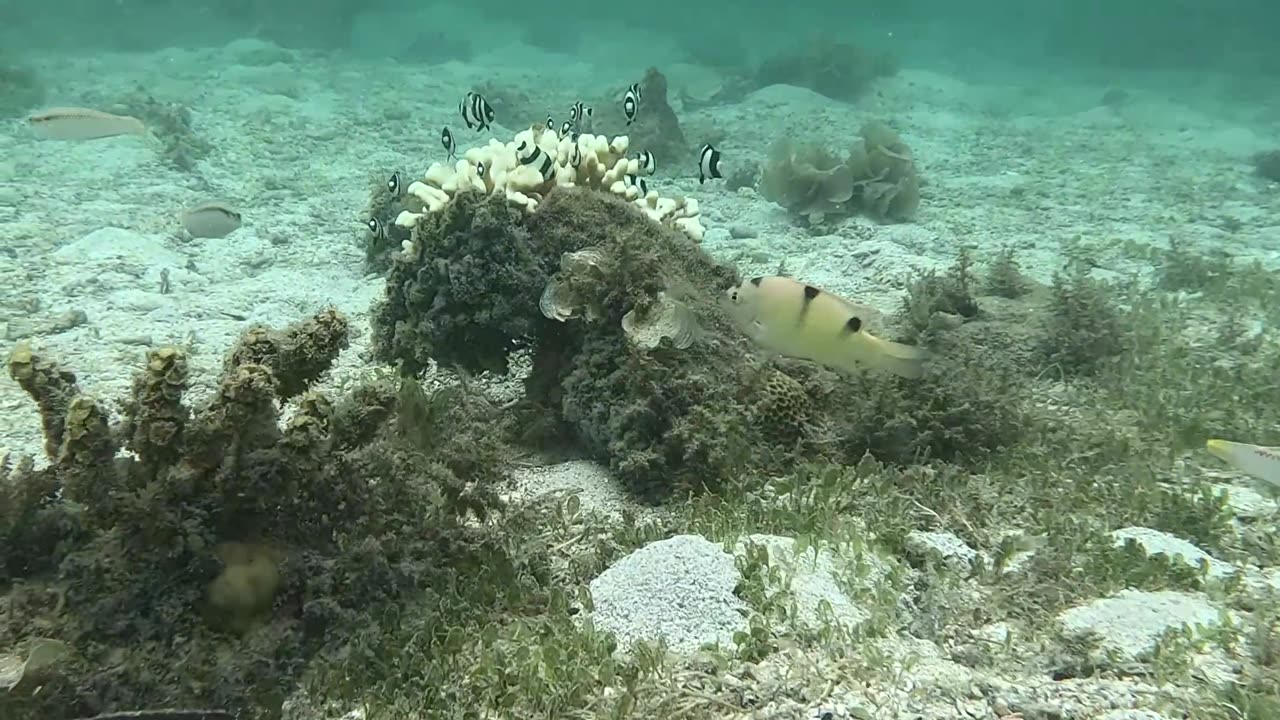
(780, 314)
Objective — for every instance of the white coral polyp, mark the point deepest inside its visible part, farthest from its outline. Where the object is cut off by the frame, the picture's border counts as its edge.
(600, 164)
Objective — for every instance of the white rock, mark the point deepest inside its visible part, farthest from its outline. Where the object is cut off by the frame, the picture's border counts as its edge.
(1132, 621)
(1156, 542)
(1135, 714)
(679, 590)
(811, 578)
(944, 546)
(1246, 503)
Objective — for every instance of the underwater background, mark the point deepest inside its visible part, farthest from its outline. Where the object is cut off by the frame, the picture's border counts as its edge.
(666, 360)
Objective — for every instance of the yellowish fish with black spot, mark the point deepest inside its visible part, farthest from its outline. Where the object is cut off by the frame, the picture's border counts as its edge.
(801, 321)
(1261, 462)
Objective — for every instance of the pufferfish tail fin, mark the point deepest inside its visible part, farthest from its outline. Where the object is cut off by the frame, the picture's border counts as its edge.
(906, 361)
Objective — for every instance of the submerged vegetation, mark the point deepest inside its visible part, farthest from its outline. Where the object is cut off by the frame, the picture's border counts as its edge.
(223, 529)
(275, 552)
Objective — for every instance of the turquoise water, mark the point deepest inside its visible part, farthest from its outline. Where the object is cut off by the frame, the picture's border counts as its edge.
(1236, 36)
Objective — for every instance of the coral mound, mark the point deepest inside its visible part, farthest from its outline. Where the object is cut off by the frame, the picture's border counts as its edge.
(633, 360)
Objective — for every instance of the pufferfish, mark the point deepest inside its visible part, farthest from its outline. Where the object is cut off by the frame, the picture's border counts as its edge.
(801, 321)
(1261, 462)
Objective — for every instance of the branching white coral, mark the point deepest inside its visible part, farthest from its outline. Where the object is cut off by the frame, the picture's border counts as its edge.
(518, 170)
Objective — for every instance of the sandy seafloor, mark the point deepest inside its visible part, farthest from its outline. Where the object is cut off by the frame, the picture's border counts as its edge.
(298, 144)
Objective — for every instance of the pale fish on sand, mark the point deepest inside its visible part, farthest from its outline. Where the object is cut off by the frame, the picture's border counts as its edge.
(1261, 462)
(75, 123)
(801, 321)
(210, 220)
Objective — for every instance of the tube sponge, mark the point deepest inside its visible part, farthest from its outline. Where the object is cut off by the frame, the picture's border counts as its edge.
(50, 386)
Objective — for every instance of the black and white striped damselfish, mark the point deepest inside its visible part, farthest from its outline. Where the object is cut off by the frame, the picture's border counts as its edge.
(631, 102)
(541, 161)
(648, 164)
(475, 111)
(639, 184)
(375, 226)
(450, 145)
(394, 185)
(800, 321)
(708, 163)
(578, 115)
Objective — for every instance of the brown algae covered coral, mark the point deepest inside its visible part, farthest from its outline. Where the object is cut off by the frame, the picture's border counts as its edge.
(632, 353)
(176, 550)
(878, 177)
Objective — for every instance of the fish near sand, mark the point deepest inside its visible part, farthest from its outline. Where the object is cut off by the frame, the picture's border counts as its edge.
(631, 103)
(801, 321)
(450, 145)
(708, 163)
(76, 123)
(648, 164)
(1260, 462)
(476, 112)
(211, 220)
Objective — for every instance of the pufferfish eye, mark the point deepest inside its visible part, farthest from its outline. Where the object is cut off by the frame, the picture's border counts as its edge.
(733, 296)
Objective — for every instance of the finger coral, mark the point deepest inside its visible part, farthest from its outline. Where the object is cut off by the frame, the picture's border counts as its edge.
(517, 171)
